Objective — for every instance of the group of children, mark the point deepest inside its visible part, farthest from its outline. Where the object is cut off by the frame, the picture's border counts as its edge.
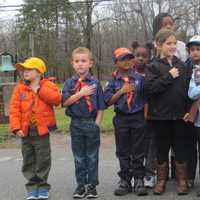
(155, 102)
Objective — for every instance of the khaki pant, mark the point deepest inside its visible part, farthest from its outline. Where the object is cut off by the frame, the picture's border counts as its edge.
(36, 154)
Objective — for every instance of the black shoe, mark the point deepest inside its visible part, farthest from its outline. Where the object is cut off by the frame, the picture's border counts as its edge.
(139, 187)
(91, 192)
(79, 192)
(191, 183)
(198, 193)
(124, 188)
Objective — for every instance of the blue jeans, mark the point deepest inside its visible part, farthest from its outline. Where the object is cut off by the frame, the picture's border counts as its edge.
(85, 140)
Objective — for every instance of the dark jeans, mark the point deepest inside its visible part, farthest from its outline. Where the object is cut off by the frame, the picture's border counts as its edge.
(198, 141)
(36, 154)
(150, 157)
(130, 145)
(193, 140)
(171, 133)
(85, 139)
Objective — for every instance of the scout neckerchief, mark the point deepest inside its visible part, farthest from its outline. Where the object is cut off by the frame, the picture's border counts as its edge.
(78, 86)
(129, 94)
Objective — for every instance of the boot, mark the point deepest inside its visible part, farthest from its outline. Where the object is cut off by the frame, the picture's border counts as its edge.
(139, 188)
(181, 178)
(162, 174)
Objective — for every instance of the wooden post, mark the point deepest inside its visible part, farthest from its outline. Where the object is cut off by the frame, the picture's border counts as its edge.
(1, 106)
(5, 95)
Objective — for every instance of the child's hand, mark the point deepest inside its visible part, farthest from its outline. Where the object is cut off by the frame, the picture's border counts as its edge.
(97, 123)
(127, 87)
(174, 72)
(197, 75)
(20, 133)
(87, 90)
(185, 118)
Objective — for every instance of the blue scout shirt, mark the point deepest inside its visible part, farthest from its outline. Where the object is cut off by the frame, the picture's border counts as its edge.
(120, 105)
(80, 109)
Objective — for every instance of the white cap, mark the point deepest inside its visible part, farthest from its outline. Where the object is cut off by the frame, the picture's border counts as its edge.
(194, 40)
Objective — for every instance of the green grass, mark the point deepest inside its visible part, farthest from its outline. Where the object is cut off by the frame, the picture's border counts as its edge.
(107, 125)
(4, 133)
(60, 85)
(4, 129)
(63, 122)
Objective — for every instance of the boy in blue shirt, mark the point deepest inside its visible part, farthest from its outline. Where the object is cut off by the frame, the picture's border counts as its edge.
(83, 99)
(194, 94)
(124, 90)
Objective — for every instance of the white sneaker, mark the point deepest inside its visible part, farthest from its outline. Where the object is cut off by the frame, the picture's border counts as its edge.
(149, 181)
(43, 194)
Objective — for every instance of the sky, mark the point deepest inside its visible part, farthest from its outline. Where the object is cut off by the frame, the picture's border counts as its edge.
(12, 2)
(6, 15)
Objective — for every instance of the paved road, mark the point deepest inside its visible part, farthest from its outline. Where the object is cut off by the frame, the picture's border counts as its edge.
(62, 174)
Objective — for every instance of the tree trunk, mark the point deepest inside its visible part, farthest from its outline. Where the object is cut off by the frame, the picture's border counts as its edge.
(88, 31)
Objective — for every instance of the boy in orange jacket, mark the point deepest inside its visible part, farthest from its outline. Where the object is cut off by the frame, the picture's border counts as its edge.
(32, 118)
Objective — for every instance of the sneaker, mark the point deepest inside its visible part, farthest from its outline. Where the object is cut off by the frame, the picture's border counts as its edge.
(43, 194)
(149, 181)
(32, 195)
(198, 193)
(124, 187)
(139, 188)
(79, 192)
(91, 192)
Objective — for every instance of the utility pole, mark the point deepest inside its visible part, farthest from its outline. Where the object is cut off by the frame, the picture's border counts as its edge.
(31, 43)
(31, 35)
